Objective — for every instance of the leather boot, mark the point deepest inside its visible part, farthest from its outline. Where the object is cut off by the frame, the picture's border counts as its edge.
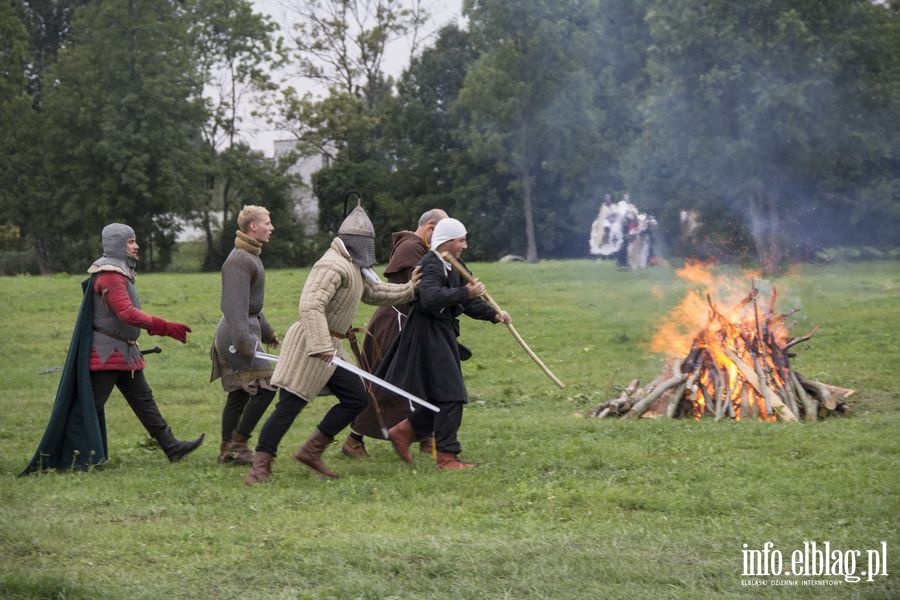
(239, 450)
(448, 461)
(224, 455)
(354, 449)
(174, 448)
(426, 446)
(310, 454)
(402, 437)
(261, 469)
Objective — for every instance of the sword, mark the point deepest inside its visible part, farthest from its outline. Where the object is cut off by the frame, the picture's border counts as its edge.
(339, 362)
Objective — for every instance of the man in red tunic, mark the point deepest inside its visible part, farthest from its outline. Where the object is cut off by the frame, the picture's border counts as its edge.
(116, 359)
(408, 249)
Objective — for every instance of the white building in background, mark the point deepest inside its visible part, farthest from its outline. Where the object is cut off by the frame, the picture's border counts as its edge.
(306, 206)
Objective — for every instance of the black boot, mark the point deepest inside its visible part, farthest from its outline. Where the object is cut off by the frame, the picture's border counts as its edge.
(174, 448)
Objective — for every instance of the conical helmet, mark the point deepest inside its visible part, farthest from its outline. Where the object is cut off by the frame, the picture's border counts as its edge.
(357, 223)
(358, 235)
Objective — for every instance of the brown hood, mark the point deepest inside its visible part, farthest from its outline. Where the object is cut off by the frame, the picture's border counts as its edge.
(397, 238)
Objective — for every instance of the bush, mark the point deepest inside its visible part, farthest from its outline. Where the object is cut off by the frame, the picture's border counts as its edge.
(18, 262)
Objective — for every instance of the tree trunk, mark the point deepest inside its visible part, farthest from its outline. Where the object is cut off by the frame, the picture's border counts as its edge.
(41, 256)
(531, 254)
(765, 227)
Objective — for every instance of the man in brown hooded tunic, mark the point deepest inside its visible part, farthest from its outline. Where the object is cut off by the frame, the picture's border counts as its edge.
(385, 325)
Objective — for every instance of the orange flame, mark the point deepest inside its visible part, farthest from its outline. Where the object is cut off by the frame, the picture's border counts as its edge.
(730, 343)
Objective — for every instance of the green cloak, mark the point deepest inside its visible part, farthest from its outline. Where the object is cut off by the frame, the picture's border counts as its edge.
(75, 437)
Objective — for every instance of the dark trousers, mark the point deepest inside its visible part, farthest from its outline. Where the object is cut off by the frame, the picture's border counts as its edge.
(622, 254)
(242, 411)
(444, 424)
(137, 393)
(352, 399)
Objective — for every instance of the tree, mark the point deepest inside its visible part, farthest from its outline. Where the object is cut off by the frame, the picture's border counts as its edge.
(341, 43)
(15, 116)
(762, 108)
(237, 50)
(121, 127)
(14, 97)
(530, 106)
(339, 47)
(48, 23)
(250, 178)
(428, 158)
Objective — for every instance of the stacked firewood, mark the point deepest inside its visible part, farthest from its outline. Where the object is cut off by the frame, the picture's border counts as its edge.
(736, 369)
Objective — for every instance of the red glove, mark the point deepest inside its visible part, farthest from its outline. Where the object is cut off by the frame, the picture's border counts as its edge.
(172, 329)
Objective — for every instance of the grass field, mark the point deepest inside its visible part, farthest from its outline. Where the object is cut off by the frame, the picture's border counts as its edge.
(561, 506)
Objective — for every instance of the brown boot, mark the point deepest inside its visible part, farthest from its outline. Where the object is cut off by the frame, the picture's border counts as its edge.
(354, 449)
(448, 461)
(224, 455)
(310, 454)
(402, 437)
(239, 450)
(261, 470)
(426, 446)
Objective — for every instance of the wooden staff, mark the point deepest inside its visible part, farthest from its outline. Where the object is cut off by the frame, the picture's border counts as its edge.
(487, 297)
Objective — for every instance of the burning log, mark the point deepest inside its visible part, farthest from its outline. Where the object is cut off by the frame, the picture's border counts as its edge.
(737, 367)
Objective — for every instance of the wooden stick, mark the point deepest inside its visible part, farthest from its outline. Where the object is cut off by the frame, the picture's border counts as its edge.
(625, 397)
(641, 406)
(826, 398)
(802, 338)
(810, 407)
(752, 377)
(487, 297)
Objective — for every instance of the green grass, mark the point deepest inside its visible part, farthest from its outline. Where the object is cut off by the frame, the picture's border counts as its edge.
(561, 506)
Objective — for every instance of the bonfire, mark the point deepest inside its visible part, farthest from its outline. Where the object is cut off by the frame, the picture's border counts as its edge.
(727, 360)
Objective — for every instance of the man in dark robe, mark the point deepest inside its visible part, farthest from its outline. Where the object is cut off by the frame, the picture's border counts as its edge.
(385, 325)
(425, 360)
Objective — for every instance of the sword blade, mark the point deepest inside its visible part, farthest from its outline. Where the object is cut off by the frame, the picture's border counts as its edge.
(339, 362)
(382, 383)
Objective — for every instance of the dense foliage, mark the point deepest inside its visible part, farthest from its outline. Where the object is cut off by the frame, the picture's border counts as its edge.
(779, 121)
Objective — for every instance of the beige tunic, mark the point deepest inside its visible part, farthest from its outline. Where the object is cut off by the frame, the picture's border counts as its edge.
(328, 303)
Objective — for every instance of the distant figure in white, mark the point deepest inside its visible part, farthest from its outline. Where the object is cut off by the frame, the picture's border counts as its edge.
(623, 233)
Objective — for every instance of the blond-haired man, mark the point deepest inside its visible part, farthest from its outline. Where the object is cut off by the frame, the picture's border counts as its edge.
(241, 329)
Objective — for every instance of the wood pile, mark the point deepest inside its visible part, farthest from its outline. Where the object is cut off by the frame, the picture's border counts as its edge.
(738, 367)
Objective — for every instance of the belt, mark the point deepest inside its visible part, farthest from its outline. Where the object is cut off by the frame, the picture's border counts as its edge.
(108, 333)
(350, 335)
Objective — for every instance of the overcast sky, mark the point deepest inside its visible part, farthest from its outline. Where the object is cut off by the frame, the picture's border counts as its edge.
(396, 57)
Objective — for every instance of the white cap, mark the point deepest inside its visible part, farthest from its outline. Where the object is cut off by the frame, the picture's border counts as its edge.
(446, 230)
